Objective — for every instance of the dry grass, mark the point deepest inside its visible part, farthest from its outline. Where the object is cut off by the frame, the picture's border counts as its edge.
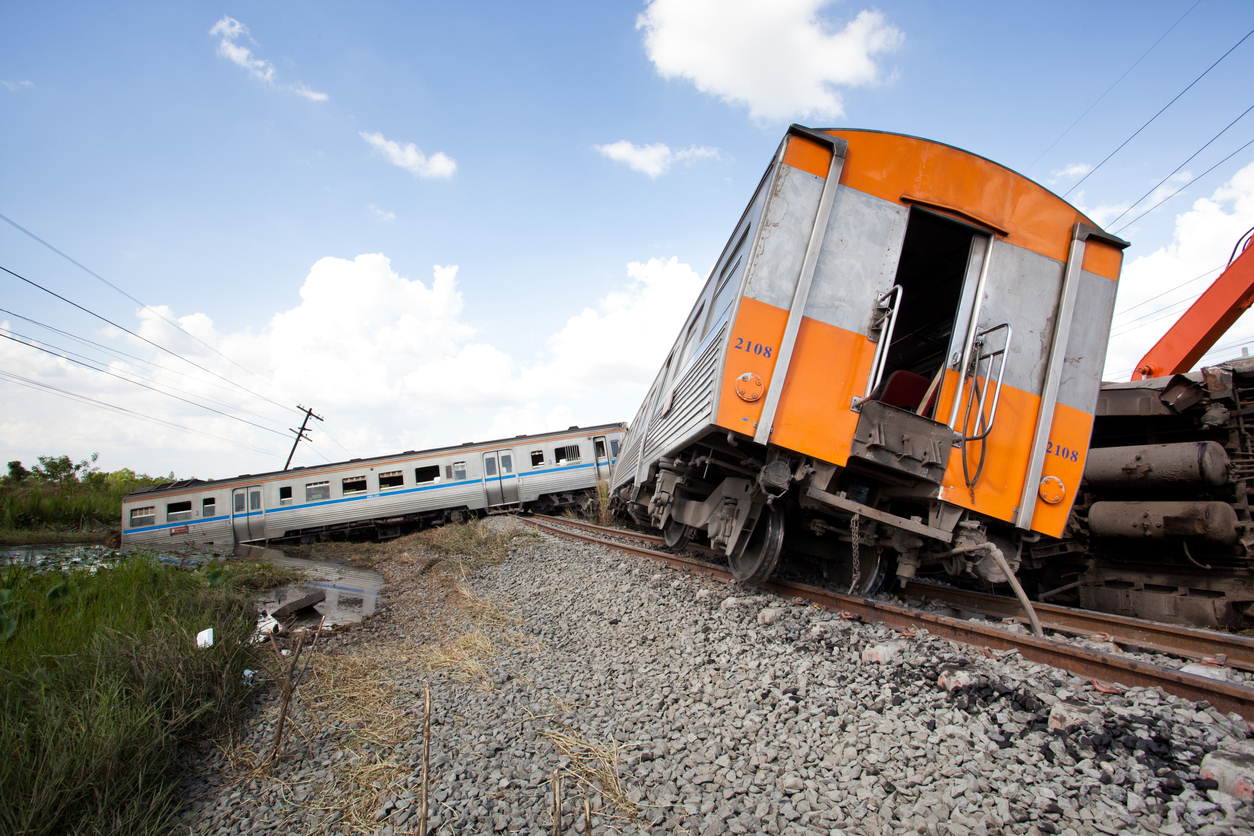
(464, 658)
(594, 767)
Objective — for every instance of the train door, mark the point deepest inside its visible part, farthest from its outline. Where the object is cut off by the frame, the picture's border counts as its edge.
(602, 457)
(248, 514)
(499, 478)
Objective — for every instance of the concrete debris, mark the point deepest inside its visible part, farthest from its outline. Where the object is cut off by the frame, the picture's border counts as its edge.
(952, 677)
(317, 596)
(1067, 713)
(769, 615)
(883, 653)
(1232, 767)
(1207, 671)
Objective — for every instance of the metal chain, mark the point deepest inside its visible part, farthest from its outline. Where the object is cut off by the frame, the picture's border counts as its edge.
(857, 563)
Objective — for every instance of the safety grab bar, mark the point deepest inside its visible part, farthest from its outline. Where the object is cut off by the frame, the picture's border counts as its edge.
(999, 356)
(886, 321)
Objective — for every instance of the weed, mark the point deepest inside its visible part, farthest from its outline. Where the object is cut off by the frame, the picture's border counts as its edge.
(101, 681)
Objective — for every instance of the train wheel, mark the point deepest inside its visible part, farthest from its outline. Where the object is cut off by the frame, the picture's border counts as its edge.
(676, 534)
(754, 561)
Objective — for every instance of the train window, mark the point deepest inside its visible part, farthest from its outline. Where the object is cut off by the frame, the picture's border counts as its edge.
(566, 454)
(354, 484)
(285, 495)
(143, 516)
(393, 479)
(317, 491)
(614, 447)
(423, 475)
(208, 507)
(448, 472)
(459, 470)
(489, 466)
(690, 342)
(239, 502)
(600, 448)
(507, 463)
(178, 511)
(537, 458)
(254, 500)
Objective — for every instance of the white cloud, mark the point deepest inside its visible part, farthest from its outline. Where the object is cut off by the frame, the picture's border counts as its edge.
(1111, 213)
(410, 158)
(15, 86)
(392, 364)
(655, 159)
(780, 59)
(231, 30)
(380, 214)
(1203, 240)
(1072, 171)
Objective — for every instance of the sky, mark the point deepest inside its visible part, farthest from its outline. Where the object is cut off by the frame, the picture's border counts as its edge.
(435, 223)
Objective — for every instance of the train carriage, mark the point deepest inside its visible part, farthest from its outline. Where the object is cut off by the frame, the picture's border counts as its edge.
(383, 495)
(895, 361)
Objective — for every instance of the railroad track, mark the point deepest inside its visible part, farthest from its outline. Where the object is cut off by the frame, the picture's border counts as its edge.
(1081, 661)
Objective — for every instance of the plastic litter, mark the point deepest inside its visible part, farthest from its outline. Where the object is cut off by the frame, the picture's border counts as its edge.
(205, 638)
(247, 679)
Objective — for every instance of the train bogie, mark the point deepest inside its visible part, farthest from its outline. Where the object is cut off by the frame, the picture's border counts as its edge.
(381, 495)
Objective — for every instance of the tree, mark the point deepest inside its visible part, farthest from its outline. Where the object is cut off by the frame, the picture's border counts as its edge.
(17, 473)
(61, 471)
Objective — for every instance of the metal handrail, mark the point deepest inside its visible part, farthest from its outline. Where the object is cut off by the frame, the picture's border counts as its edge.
(886, 320)
(981, 340)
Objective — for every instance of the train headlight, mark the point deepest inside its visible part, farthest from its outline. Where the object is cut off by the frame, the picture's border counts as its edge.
(1052, 490)
(749, 387)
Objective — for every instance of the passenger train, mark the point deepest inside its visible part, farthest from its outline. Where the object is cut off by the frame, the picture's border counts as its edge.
(381, 495)
(893, 367)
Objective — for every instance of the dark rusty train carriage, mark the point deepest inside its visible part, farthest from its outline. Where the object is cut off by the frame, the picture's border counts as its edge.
(898, 353)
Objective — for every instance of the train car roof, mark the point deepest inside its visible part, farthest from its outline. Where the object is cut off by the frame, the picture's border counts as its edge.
(184, 485)
(914, 171)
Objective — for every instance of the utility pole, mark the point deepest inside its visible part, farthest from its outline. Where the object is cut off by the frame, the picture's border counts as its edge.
(301, 432)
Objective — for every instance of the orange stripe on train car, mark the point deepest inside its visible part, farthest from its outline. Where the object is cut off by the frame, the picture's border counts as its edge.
(808, 155)
(1102, 259)
(757, 324)
(890, 166)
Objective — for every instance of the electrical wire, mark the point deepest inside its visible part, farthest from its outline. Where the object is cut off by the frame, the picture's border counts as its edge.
(96, 275)
(1186, 185)
(1182, 165)
(1168, 290)
(1159, 113)
(143, 385)
(69, 353)
(1111, 87)
(65, 393)
(145, 339)
(323, 430)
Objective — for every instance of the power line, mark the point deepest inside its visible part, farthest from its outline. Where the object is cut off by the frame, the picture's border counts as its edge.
(1111, 87)
(37, 385)
(1183, 164)
(1165, 292)
(96, 275)
(142, 385)
(137, 336)
(87, 359)
(1182, 188)
(1159, 113)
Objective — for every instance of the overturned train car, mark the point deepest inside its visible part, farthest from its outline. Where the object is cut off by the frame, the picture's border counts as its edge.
(893, 366)
(381, 496)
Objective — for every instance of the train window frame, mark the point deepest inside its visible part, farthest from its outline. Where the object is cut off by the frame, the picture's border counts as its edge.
(507, 464)
(599, 448)
(428, 475)
(489, 466)
(318, 491)
(564, 455)
(613, 448)
(459, 471)
(147, 515)
(355, 481)
(285, 494)
(391, 480)
(178, 511)
(692, 340)
(241, 501)
(208, 507)
(537, 459)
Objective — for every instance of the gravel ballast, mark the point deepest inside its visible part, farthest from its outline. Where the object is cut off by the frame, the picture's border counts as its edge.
(677, 704)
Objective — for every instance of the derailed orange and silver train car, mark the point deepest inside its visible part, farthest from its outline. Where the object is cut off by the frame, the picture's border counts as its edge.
(894, 364)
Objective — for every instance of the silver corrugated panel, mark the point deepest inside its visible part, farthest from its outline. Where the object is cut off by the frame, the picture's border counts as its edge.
(692, 405)
(629, 455)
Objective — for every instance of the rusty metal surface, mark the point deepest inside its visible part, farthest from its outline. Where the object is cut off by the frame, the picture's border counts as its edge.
(1162, 638)
(1083, 662)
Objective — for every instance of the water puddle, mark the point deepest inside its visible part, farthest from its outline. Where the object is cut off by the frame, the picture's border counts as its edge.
(351, 594)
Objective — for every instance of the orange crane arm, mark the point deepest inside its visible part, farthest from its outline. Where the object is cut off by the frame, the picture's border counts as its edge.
(1203, 323)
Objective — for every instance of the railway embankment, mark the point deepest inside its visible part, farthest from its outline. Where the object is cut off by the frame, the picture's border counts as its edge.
(672, 703)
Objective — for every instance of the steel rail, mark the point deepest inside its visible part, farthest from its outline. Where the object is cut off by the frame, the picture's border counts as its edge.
(1174, 639)
(1083, 662)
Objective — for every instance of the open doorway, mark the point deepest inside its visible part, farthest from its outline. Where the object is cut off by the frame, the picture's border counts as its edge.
(930, 273)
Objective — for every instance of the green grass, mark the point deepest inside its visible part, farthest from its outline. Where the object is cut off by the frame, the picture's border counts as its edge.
(101, 683)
